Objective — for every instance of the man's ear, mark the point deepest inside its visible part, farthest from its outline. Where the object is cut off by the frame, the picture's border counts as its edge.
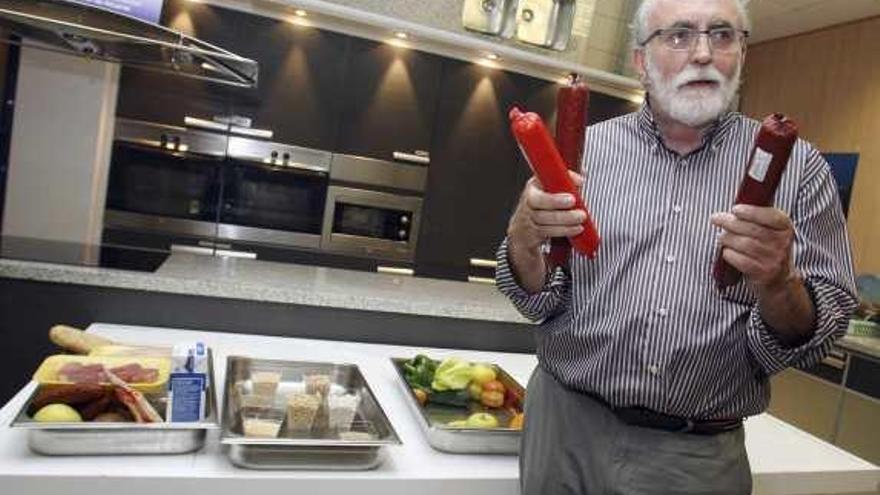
(638, 61)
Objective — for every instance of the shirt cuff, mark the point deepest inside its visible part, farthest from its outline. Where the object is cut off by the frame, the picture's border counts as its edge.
(833, 307)
(536, 307)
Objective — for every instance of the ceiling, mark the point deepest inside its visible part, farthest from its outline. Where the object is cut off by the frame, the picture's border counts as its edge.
(779, 18)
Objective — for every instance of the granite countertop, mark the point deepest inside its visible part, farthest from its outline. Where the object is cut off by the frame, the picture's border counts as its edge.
(286, 283)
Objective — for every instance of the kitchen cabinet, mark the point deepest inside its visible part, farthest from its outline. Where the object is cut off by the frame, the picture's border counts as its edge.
(167, 98)
(476, 172)
(390, 100)
(300, 80)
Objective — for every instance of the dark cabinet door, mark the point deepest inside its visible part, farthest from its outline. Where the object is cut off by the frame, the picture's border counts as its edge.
(476, 172)
(300, 80)
(168, 98)
(390, 100)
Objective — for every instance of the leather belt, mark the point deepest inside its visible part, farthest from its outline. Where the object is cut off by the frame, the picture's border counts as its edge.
(646, 418)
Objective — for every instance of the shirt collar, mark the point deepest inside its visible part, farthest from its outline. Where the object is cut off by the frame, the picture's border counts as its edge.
(713, 138)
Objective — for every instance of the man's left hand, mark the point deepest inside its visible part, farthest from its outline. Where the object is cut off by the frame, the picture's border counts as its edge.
(757, 241)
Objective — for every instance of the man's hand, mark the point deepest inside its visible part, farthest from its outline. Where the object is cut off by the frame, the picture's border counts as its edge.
(538, 217)
(758, 242)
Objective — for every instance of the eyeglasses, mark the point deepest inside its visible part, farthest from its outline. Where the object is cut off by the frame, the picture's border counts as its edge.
(721, 39)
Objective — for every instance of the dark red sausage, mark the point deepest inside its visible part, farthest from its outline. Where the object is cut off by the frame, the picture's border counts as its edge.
(767, 162)
(572, 101)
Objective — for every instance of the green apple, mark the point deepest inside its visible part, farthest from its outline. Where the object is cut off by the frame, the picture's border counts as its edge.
(482, 420)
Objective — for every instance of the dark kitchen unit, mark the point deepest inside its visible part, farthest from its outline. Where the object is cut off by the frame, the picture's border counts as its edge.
(349, 152)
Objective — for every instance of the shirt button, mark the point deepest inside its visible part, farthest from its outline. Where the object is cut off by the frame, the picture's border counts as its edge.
(670, 258)
(654, 369)
(684, 163)
(676, 209)
(662, 312)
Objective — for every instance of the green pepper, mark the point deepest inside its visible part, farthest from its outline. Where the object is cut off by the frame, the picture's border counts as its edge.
(419, 372)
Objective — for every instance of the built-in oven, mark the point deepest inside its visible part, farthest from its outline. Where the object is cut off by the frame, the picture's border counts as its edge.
(373, 208)
(273, 193)
(165, 178)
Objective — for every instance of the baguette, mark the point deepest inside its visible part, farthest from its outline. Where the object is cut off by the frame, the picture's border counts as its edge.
(75, 340)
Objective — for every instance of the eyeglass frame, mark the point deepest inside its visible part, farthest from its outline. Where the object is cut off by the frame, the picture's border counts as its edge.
(744, 33)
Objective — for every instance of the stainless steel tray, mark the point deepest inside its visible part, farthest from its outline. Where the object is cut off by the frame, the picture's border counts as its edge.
(432, 419)
(119, 438)
(320, 448)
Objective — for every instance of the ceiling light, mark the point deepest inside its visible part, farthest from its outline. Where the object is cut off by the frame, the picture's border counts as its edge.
(492, 56)
(401, 35)
(300, 13)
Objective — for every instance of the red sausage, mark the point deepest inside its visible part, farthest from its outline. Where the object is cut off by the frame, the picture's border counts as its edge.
(544, 159)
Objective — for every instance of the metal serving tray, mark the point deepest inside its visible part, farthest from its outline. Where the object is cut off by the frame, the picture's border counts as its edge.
(432, 419)
(320, 448)
(119, 438)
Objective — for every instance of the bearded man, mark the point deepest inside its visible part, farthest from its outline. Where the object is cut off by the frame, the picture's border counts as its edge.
(646, 369)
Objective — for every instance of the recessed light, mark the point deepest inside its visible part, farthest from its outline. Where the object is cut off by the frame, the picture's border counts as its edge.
(401, 35)
(485, 62)
(492, 56)
(300, 13)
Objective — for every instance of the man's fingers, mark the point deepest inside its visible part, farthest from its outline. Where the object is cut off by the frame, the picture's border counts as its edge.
(559, 217)
(537, 199)
(731, 223)
(769, 217)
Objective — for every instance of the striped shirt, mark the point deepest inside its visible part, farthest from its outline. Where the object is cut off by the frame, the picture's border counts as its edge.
(643, 323)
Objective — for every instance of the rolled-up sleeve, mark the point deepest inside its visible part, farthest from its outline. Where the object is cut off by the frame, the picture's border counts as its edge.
(823, 258)
(548, 302)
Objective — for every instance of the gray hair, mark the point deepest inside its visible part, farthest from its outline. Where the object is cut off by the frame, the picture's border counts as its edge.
(639, 26)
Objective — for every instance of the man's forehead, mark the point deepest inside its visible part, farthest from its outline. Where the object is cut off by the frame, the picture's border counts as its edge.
(697, 12)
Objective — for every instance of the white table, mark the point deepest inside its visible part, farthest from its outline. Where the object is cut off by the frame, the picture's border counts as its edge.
(784, 460)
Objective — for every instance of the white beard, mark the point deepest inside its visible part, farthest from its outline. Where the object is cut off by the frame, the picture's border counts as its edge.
(693, 107)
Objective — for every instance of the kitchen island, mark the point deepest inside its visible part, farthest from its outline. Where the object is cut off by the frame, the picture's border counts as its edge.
(784, 460)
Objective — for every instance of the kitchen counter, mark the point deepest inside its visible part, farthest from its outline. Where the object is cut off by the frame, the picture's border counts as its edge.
(867, 347)
(784, 460)
(264, 281)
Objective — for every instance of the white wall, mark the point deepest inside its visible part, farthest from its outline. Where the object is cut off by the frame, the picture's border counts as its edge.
(62, 136)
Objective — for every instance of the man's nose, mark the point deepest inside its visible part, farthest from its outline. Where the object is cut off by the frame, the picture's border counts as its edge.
(702, 51)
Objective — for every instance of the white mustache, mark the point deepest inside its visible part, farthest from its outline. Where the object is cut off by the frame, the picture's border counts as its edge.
(693, 74)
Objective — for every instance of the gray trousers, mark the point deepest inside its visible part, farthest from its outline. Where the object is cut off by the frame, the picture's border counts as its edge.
(573, 444)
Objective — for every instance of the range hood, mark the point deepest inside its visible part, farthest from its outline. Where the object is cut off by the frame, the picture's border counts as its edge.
(93, 32)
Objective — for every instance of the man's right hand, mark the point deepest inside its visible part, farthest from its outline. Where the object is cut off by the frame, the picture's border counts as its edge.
(538, 217)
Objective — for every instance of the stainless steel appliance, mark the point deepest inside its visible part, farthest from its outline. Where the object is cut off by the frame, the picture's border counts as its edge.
(165, 178)
(214, 188)
(273, 193)
(373, 207)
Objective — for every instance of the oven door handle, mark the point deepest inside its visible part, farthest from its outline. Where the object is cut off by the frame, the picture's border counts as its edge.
(401, 156)
(205, 124)
(184, 248)
(210, 251)
(250, 132)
